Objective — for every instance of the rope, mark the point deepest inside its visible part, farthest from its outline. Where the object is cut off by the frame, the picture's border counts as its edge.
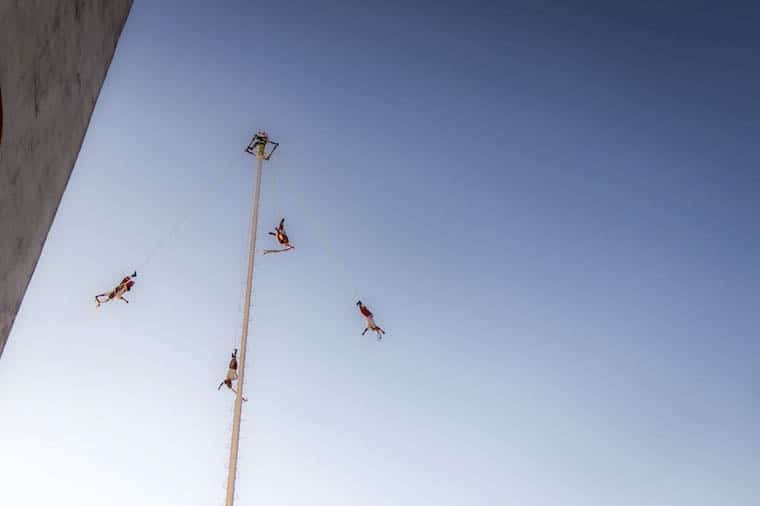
(326, 245)
(182, 220)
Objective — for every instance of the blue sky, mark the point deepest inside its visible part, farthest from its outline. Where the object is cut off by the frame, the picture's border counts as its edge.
(551, 209)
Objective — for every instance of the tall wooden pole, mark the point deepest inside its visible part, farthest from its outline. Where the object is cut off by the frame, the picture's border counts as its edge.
(232, 468)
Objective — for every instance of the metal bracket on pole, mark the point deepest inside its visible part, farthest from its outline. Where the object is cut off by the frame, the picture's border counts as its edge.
(259, 143)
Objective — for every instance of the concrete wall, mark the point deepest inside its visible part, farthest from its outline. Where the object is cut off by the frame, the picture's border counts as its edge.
(54, 55)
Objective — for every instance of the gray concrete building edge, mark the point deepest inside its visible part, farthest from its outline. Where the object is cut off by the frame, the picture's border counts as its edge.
(54, 56)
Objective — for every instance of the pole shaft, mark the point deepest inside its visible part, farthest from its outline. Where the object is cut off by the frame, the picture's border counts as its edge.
(232, 467)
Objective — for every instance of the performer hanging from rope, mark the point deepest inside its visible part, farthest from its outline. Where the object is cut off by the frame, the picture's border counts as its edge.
(282, 238)
(231, 374)
(123, 287)
(371, 325)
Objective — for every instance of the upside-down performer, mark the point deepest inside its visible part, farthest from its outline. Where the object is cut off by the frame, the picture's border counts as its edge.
(232, 374)
(369, 317)
(282, 238)
(123, 287)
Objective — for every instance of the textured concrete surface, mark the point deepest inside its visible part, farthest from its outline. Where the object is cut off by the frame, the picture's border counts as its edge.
(54, 55)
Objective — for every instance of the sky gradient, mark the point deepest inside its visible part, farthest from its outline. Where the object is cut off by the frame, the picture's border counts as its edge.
(552, 210)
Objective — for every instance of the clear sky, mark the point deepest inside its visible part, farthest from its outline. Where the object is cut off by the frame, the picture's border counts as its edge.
(552, 210)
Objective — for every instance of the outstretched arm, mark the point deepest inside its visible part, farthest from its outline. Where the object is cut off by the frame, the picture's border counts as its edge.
(288, 248)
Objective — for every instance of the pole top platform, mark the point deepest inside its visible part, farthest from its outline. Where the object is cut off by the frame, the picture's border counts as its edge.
(259, 143)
